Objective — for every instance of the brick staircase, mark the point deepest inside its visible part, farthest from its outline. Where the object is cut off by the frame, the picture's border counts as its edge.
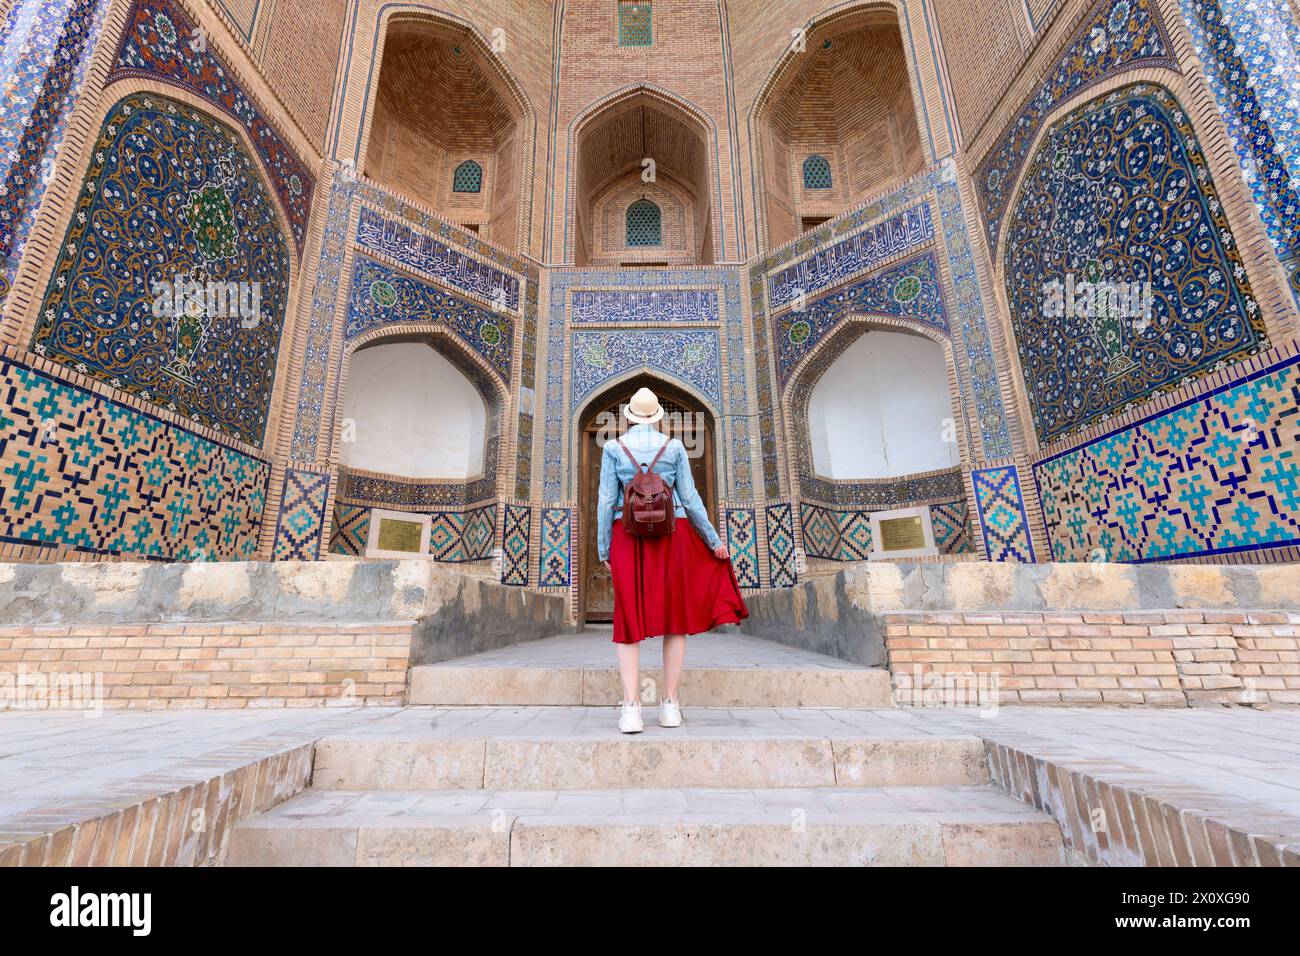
(513, 758)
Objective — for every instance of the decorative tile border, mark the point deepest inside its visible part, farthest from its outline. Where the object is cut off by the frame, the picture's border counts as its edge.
(84, 473)
(320, 330)
(157, 45)
(1000, 507)
(643, 306)
(515, 543)
(860, 252)
(1116, 36)
(555, 562)
(413, 494)
(742, 541)
(425, 254)
(301, 522)
(1213, 475)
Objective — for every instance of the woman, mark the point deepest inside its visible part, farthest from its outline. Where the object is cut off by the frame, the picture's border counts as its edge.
(672, 585)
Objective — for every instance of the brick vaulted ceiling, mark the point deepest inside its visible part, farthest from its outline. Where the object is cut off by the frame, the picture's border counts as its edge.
(427, 68)
(613, 144)
(846, 97)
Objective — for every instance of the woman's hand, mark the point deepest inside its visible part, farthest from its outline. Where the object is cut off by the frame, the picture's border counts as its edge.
(607, 567)
(721, 553)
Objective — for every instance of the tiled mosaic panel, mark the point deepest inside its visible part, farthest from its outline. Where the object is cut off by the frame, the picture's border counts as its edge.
(49, 44)
(158, 161)
(382, 296)
(855, 535)
(554, 562)
(907, 290)
(861, 251)
(414, 495)
(160, 43)
(351, 530)
(1116, 36)
(977, 382)
(742, 541)
(688, 354)
(456, 536)
(951, 525)
(302, 516)
(644, 306)
(515, 541)
(1251, 53)
(783, 571)
(87, 473)
(846, 535)
(821, 531)
(557, 405)
(320, 331)
(1133, 149)
(1000, 507)
(1216, 475)
(426, 254)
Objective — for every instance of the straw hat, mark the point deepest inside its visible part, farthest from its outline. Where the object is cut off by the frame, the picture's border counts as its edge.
(644, 408)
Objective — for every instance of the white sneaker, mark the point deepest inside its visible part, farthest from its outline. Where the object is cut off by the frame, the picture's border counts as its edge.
(670, 713)
(629, 718)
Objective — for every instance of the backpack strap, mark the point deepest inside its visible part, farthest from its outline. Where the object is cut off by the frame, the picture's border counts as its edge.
(636, 464)
(630, 457)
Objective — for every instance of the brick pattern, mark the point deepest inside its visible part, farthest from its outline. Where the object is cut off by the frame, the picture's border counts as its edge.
(220, 665)
(1164, 658)
(126, 829)
(1114, 815)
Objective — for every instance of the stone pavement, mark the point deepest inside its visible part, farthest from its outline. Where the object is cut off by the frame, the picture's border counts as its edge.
(58, 768)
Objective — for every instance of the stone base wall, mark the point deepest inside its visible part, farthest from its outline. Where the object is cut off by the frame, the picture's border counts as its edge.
(1166, 658)
(210, 665)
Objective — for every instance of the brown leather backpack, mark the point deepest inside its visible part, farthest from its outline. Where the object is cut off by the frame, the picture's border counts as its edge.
(647, 500)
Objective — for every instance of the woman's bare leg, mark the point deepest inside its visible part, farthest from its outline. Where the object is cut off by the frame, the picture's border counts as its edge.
(674, 659)
(629, 655)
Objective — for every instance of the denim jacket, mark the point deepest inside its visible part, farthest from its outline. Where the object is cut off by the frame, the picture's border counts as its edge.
(675, 469)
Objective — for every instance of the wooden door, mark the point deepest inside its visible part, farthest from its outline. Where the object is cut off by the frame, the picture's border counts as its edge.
(596, 591)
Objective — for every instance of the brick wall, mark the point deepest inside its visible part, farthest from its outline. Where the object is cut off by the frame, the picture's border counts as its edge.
(215, 665)
(1168, 658)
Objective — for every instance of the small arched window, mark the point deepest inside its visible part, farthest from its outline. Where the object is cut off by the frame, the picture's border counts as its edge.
(644, 224)
(468, 178)
(816, 173)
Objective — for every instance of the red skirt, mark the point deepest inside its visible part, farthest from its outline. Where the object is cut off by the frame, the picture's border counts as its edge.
(670, 585)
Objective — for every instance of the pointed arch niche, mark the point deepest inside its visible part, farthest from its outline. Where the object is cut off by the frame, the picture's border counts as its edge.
(837, 122)
(614, 180)
(464, 163)
(874, 418)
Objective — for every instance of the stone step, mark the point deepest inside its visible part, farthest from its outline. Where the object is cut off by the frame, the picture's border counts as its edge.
(829, 826)
(540, 748)
(723, 670)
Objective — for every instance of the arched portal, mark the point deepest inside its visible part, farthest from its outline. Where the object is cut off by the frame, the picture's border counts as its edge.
(685, 418)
